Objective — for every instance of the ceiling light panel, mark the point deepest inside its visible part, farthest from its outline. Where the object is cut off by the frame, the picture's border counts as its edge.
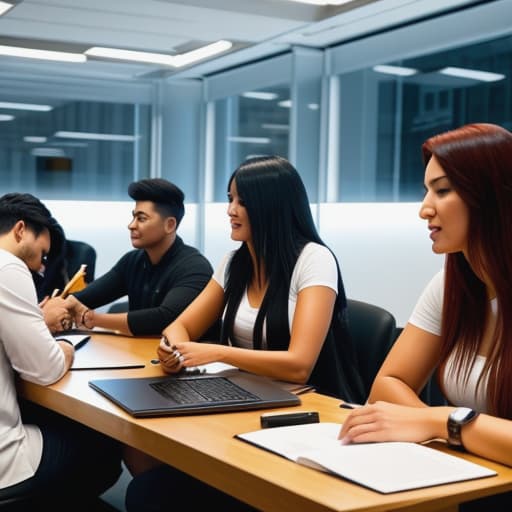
(483, 76)
(260, 95)
(95, 136)
(395, 70)
(33, 53)
(25, 106)
(162, 59)
(4, 7)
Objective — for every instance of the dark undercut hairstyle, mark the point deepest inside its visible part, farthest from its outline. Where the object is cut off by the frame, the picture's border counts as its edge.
(166, 196)
(281, 223)
(477, 160)
(26, 207)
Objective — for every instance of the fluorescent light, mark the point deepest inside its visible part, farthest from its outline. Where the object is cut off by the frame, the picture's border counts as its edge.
(25, 106)
(6, 117)
(34, 139)
(260, 95)
(160, 58)
(116, 53)
(252, 140)
(4, 7)
(69, 144)
(201, 53)
(32, 53)
(395, 70)
(285, 103)
(95, 136)
(277, 127)
(47, 152)
(313, 106)
(483, 76)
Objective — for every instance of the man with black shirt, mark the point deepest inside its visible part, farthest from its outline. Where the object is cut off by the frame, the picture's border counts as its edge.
(161, 276)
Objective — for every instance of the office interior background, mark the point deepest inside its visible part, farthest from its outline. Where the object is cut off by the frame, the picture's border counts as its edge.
(346, 92)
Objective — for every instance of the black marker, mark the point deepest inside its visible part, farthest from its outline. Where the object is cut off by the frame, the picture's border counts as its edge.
(348, 405)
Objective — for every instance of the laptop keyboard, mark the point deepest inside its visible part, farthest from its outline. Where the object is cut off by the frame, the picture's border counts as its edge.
(203, 390)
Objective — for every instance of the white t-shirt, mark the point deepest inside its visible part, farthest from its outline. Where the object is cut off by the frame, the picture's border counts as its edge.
(427, 315)
(315, 266)
(28, 349)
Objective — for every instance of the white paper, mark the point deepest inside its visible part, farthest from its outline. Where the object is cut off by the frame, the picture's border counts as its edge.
(384, 467)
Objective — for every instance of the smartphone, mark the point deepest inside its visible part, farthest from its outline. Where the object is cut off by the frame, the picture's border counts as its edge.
(271, 419)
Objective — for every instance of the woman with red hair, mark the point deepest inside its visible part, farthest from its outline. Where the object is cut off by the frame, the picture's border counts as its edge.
(461, 326)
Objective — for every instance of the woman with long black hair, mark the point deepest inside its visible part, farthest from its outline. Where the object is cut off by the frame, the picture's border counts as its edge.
(283, 307)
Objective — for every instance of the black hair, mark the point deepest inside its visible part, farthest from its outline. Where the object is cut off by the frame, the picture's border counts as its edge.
(167, 197)
(16, 206)
(55, 273)
(281, 222)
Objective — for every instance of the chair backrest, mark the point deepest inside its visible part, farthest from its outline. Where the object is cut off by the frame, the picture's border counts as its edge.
(77, 253)
(373, 332)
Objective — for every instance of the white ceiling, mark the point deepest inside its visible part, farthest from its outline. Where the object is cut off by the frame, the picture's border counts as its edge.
(258, 28)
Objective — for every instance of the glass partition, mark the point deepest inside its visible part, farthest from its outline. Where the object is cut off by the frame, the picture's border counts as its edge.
(253, 123)
(72, 149)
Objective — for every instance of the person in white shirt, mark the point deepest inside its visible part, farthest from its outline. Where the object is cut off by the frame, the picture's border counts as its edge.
(282, 302)
(461, 327)
(42, 455)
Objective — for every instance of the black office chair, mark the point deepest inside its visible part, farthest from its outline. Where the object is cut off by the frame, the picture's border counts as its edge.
(19, 504)
(77, 253)
(373, 332)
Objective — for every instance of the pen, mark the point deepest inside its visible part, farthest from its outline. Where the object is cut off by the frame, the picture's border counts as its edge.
(348, 405)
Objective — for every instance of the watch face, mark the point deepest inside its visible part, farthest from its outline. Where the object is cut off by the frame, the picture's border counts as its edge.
(462, 415)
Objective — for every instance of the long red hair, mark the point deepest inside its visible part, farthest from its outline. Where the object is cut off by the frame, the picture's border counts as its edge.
(477, 159)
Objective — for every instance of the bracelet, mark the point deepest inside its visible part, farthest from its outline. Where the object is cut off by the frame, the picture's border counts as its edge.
(82, 320)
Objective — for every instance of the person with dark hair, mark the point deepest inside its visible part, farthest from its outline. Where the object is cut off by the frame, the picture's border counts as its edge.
(161, 276)
(52, 273)
(45, 456)
(461, 326)
(283, 307)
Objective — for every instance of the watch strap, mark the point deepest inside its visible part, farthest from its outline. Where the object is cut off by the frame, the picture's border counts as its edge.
(455, 424)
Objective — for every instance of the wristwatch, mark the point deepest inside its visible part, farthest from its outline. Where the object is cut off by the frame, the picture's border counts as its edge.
(456, 420)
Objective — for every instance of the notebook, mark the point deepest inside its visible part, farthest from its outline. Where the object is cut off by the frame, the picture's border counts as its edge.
(383, 467)
(194, 394)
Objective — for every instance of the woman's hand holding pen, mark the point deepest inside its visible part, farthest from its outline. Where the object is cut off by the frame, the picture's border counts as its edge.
(383, 421)
(170, 357)
(186, 354)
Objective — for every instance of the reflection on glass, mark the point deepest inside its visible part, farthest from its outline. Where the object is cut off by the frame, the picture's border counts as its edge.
(386, 112)
(250, 124)
(74, 149)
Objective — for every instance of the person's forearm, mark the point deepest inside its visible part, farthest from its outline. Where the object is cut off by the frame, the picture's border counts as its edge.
(69, 353)
(391, 389)
(276, 364)
(111, 321)
(176, 332)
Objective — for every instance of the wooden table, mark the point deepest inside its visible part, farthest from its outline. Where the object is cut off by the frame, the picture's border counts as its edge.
(204, 446)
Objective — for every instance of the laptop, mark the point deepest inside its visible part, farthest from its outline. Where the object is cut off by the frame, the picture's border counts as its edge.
(194, 394)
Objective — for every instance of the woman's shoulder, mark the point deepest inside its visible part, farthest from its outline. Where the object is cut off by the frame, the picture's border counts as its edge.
(314, 251)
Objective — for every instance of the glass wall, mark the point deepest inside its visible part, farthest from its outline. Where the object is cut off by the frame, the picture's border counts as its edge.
(72, 149)
(389, 107)
(253, 123)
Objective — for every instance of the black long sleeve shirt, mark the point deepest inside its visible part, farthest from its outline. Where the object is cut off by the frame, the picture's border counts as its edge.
(157, 294)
